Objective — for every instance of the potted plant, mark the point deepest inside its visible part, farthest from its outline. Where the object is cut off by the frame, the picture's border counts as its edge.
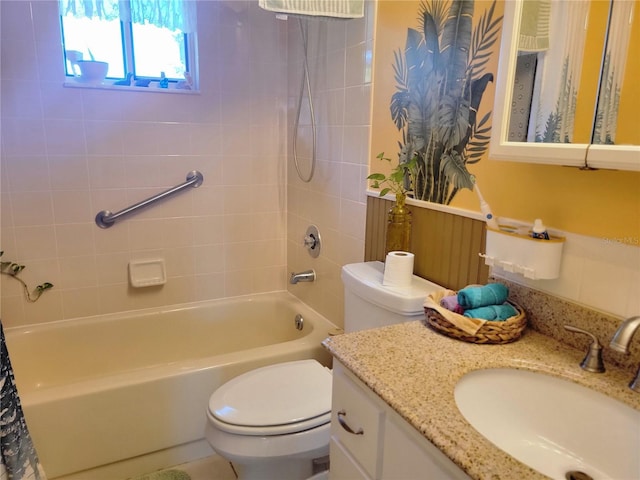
(92, 71)
(400, 183)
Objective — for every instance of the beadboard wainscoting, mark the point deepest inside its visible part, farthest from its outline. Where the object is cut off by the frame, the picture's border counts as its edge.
(445, 245)
(600, 274)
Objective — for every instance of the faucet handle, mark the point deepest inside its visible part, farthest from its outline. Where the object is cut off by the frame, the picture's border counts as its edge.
(592, 361)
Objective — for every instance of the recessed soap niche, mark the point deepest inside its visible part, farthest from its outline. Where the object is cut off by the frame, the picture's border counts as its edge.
(515, 251)
(147, 273)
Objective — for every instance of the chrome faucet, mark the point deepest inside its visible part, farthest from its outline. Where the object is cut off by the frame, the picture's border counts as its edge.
(620, 343)
(592, 361)
(306, 276)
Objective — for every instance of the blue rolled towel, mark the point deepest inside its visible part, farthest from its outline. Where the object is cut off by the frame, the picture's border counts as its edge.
(490, 294)
(498, 313)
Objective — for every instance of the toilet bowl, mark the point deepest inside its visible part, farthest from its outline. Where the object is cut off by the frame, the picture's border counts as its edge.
(273, 422)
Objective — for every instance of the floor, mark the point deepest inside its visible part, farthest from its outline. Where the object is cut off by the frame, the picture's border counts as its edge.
(209, 468)
(217, 468)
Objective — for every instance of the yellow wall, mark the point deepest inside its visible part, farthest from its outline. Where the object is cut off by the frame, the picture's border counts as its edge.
(629, 130)
(596, 203)
(591, 65)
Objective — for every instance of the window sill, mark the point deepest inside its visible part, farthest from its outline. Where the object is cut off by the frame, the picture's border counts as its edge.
(108, 85)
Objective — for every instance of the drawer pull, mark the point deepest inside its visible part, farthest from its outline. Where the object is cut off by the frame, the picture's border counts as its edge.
(343, 424)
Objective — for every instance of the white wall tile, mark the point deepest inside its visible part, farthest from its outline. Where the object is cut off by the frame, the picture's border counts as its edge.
(17, 63)
(32, 208)
(238, 282)
(25, 173)
(111, 240)
(107, 171)
(78, 272)
(23, 136)
(103, 137)
(75, 239)
(65, 137)
(67, 172)
(21, 99)
(80, 302)
(111, 268)
(209, 286)
(72, 206)
(594, 272)
(61, 102)
(329, 200)
(34, 243)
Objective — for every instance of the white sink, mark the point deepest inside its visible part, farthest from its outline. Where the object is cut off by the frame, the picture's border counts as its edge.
(552, 425)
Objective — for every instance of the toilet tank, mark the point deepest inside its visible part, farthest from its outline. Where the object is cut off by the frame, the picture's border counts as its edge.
(369, 304)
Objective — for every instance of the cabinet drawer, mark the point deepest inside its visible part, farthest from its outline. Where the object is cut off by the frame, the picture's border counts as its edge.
(353, 409)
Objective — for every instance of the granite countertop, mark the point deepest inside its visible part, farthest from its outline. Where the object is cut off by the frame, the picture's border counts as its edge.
(414, 370)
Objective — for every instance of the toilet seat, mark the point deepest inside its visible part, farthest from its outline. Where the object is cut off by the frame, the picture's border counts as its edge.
(275, 400)
(271, 430)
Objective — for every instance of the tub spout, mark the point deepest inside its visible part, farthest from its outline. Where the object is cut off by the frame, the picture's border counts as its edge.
(306, 276)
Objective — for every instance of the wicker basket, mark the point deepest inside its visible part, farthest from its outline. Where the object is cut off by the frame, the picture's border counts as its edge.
(490, 332)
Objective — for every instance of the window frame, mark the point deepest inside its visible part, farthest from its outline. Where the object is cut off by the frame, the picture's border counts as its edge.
(128, 58)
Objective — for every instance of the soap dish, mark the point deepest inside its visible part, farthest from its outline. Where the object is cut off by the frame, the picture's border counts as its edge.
(147, 273)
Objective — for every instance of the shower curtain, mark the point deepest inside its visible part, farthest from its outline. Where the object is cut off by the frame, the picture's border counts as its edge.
(18, 458)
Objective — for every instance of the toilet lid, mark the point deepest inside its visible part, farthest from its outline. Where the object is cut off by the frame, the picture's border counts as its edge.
(275, 396)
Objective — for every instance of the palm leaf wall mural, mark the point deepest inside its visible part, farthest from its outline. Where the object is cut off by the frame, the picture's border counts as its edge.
(440, 80)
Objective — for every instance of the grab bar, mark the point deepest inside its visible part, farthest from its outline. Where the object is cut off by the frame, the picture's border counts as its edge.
(105, 218)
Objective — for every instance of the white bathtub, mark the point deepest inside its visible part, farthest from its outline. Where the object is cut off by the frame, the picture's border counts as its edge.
(107, 389)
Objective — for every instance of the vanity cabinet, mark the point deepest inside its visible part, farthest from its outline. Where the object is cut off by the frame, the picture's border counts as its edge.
(370, 441)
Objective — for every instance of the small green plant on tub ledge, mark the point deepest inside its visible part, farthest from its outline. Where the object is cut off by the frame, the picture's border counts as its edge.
(12, 269)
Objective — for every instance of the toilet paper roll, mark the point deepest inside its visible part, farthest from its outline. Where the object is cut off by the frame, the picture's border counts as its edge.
(398, 269)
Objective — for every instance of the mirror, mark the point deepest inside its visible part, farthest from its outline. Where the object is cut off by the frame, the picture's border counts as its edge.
(565, 92)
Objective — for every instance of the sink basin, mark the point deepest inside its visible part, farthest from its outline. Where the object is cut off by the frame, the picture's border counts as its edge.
(552, 425)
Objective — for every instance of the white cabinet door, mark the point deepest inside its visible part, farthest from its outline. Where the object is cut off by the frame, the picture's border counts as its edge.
(343, 466)
(410, 456)
(356, 420)
(371, 441)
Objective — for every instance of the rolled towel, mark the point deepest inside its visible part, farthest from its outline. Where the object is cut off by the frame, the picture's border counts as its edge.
(490, 294)
(498, 313)
(451, 303)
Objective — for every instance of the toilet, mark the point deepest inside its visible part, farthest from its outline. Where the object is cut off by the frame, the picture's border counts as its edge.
(273, 422)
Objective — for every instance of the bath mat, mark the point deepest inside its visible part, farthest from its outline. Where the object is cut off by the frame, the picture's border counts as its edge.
(164, 475)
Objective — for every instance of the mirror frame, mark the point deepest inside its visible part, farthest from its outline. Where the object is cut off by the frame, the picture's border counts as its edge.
(583, 155)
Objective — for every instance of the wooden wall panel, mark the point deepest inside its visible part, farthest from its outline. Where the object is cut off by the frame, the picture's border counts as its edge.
(445, 245)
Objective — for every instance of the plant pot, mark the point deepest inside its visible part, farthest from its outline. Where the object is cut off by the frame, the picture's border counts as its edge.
(398, 227)
(92, 71)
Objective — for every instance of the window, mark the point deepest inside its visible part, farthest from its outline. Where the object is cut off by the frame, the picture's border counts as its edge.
(140, 40)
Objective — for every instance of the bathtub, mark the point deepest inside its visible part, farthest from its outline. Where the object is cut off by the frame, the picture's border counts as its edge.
(115, 389)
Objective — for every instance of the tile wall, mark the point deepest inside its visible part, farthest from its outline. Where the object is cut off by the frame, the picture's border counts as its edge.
(339, 59)
(68, 153)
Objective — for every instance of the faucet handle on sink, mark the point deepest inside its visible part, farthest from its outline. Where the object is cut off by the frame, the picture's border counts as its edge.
(592, 361)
